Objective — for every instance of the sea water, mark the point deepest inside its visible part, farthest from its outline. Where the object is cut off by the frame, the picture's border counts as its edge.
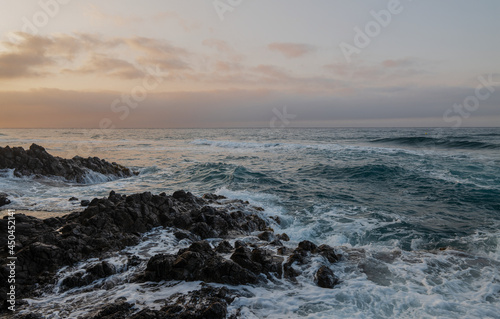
(415, 213)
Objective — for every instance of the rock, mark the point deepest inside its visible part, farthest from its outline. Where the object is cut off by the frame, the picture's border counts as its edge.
(243, 257)
(268, 261)
(198, 262)
(116, 310)
(85, 203)
(325, 278)
(113, 223)
(284, 250)
(37, 162)
(328, 252)
(283, 237)
(102, 270)
(206, 303)
(92, 273)
(224, 247)
(307, 245)
(266, 236)
(4, 200)
(72, 199)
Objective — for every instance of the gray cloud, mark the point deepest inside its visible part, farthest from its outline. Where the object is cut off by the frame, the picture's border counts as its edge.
(389, 107)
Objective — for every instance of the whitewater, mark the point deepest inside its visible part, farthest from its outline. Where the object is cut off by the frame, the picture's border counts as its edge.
(414, 212)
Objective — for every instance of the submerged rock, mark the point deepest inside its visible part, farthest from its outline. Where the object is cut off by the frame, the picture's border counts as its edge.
(4, 200)
(37, 162)
(325, 278)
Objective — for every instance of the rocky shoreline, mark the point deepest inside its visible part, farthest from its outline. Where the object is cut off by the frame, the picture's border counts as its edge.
(113, 223)
(212, 225)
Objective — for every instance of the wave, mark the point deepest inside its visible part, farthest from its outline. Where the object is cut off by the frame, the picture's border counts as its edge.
(369, 171)
(232, 144)
(91, 177)
(423, 141)
(217, 175)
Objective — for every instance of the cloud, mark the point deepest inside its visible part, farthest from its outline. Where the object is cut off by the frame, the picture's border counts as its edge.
(291, 50)
(27, 58)
(398, 63)
(107, 66)
(36, 56)
(223, 108)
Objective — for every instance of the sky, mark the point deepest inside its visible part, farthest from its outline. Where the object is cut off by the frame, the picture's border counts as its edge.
(249, 63)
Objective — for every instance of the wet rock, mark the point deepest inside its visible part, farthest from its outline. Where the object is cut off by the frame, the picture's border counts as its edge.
(92, 273)
(111, 224)
(198, 262)
(243, 257)
(183, 234)
(213, 197)
(116, 310)
(29, 316)
(328, 252)
(284, 250)
(224, 247)
(269, 263)
(37, 162)
(239, 243)
(325, 278)
(102, 270)
(302, 255)
(85, 203)
(4, 200)
(276, 242)
(266, 236)
(307, 246)
(73, 199)
(207, 303)
(283, 237)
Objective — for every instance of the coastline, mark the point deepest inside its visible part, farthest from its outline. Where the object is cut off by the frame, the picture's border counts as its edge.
(380, 251)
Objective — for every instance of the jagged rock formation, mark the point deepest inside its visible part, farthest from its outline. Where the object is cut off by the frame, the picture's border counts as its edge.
(112, 223)
(37, 162)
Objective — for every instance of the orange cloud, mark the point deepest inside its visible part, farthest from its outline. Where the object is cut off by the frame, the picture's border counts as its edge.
(104, 65)
(291, 50)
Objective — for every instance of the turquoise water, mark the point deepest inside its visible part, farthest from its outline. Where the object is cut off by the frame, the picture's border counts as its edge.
(430, 198)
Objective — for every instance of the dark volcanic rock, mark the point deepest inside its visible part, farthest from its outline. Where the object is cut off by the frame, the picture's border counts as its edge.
(266, 236)
(36, 161)
(325, 277)
(302, 255)
(111, 224)
(4, 200)
(198, 262)
(116, 310)
(206, 303)
(85, 203)
(283, 237)
(224, 247)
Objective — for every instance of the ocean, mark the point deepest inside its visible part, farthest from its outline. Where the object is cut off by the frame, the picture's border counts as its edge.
(414, 211)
